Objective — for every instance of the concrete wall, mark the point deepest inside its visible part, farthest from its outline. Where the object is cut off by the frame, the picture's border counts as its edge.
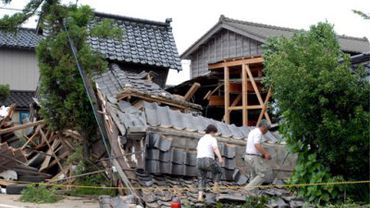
(19, 69)
(224, 44)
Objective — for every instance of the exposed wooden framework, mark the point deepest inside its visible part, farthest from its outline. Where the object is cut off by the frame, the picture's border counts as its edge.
(250, 85)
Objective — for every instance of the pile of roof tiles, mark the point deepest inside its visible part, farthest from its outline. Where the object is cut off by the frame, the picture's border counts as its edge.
(164, 158)
(162, 190)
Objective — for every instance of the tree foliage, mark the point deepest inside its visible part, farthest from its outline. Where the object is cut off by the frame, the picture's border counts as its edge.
(4, 92)
(324, 108)
(63, 97)
(362, 14)
(64, 100)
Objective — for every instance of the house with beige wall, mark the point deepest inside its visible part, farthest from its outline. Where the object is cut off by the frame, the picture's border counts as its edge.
(19, 69)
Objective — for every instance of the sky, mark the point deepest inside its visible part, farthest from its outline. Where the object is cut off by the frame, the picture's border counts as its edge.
(193, 18)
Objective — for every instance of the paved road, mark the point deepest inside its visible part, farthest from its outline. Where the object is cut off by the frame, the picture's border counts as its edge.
(12, 201)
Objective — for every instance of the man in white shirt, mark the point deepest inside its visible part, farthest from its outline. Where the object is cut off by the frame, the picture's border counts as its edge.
(206, 149)
(256, 155)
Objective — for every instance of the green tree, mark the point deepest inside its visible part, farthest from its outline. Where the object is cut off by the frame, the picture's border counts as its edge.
(4, 92)
(362, 14)
(325, 111)
(65, 104)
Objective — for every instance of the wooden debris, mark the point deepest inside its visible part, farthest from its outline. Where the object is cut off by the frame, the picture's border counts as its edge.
(14, 128)
(34, 156)
(192, 91)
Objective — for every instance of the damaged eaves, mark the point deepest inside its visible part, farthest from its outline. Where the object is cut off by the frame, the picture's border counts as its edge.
(117, 84)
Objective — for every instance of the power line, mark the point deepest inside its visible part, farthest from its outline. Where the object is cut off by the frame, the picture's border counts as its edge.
(11, 9)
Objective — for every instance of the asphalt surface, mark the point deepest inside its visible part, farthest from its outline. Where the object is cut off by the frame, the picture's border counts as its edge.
(12, 201)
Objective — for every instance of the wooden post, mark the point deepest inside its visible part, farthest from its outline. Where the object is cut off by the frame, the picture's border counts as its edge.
(244, 95)
(227, 94)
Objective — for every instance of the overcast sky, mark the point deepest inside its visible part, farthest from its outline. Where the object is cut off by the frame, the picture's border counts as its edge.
(193, 18)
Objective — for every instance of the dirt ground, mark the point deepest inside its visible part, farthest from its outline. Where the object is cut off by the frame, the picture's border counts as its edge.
(12, 201)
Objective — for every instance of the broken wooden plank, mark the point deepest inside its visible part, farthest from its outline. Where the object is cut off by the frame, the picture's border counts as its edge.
(193, 89)
(33, 136)
(213, 91)
(6, 182)
(47, 159)
(53, 153)
(23, 126)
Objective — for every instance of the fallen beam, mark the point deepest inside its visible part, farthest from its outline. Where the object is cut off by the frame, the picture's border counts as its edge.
(192, 91)
(23, 126)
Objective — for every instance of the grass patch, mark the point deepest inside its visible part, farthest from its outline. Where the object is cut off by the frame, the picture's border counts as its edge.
(39, 194)
(97, 181)
(92, 180)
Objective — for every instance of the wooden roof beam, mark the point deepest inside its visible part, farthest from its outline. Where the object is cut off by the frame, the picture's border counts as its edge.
(235, 63)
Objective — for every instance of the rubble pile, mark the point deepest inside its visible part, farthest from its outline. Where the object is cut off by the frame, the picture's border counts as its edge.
(153, 135)
(160, 191)
(29, 152)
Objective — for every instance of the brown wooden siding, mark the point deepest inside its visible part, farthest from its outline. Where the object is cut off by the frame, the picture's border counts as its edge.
(224, 44)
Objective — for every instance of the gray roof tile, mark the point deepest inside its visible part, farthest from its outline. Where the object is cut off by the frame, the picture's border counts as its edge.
(115, 80)
(23, 38)
(142, 41)
(347, 43)
(155, 115)
(261, 32)
(21, 99)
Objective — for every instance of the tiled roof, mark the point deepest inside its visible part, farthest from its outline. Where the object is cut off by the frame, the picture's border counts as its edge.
(144, 42)
(159, 116)
(171, 139)
(347, 43)
(362, 60)
(22, 99)
(22, 38)
(170, 144)
(116, 80)
(261, 32)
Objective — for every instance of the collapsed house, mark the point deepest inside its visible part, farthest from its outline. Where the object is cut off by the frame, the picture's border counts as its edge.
(154, 134)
